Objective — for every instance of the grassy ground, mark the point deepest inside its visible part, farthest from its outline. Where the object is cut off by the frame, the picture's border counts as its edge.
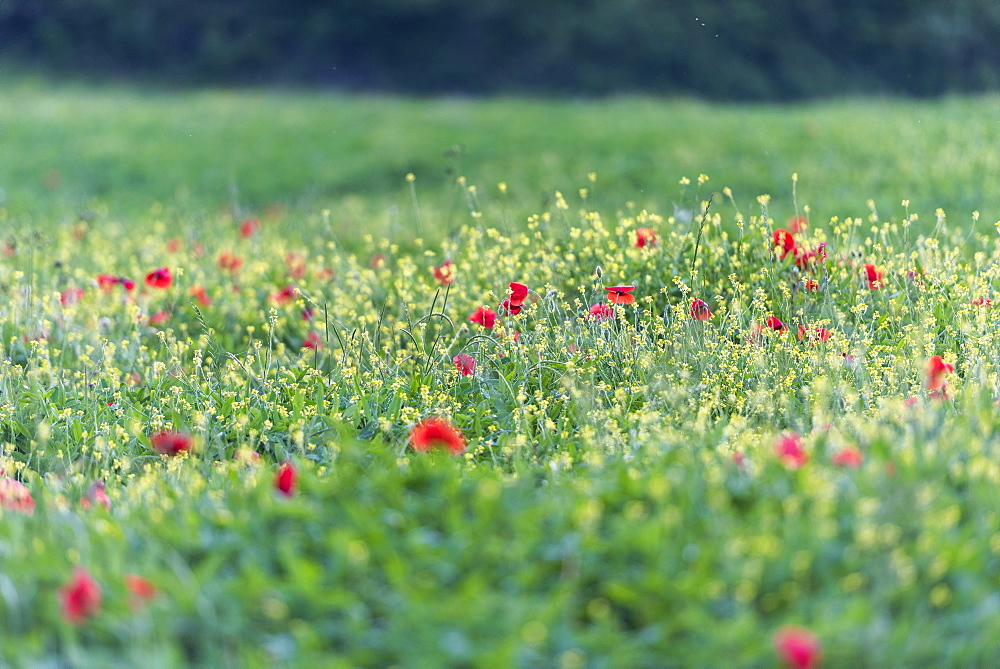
(636, 486)
(71, 147)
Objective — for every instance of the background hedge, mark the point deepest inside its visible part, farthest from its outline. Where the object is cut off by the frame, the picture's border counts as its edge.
(718, 49)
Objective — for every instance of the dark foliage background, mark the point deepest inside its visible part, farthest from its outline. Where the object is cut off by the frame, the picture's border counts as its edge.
(718, 49)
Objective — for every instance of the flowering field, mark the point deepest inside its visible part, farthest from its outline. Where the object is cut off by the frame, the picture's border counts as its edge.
(497, 430)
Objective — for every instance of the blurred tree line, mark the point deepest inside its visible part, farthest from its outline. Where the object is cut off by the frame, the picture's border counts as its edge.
(722, 49)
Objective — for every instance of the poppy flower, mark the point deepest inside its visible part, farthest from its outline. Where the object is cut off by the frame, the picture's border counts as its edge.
(249, 227)
(783, 242)
(80, 599)
(797, 647)
(484, 316)
(812, 285)
(774, 323)
(106, 281)
(508, 308)
(874, 277)
(159, 318)
(518, 293)
(813, 334)
(790, 451)
(140, 589)
(600, 311)
(797, 224)
(96, 495)
(437, 432)
(15, 496)
(199, 294)
(936, 369)
(700, 310)
(465, 364)
(377, 261)
(71, 295)
(170, 442)
(981, 302)
(805, 258)
(444, 273)
(159, 278)
(285, 478)
(645, 237)
(284, 295)
(229, 261)
(173, 245)
(620, 294)
(312, 340)
(295, 263)
(849, 456)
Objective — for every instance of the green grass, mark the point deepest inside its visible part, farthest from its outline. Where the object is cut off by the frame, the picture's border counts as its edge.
(620, 501)
(199, 151)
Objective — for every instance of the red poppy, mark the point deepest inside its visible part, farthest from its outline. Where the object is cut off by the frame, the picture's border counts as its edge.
(285, 478)
(106, 281)
(295, 263)
(774, 323)
(620, 294)
(484, 316)
(80, 598)
(284, 295)
(159, 318)
(790, 451)
(797, 224)
(159, 278)
(71, 295)
(229, 261)
(140, 589)
(312, 340)
(518, 293)
(508, 308)
(377, 261)
(813, 334)
(15, 496)
(170, 442)
(173, 245)
(437, 433)
(874, 277)
(812, 285)
(849, 456)
(936, 369)
(981, 302)
(199, 294)
(783, 242)
(600, 311)
(444, 273)
(805, 258)
(465, 364)
(797, 647)
(249, 227)
(645, 237)
(96, 495)
(700, 310)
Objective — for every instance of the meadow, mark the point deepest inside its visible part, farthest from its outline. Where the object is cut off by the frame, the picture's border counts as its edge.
(300, 379)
